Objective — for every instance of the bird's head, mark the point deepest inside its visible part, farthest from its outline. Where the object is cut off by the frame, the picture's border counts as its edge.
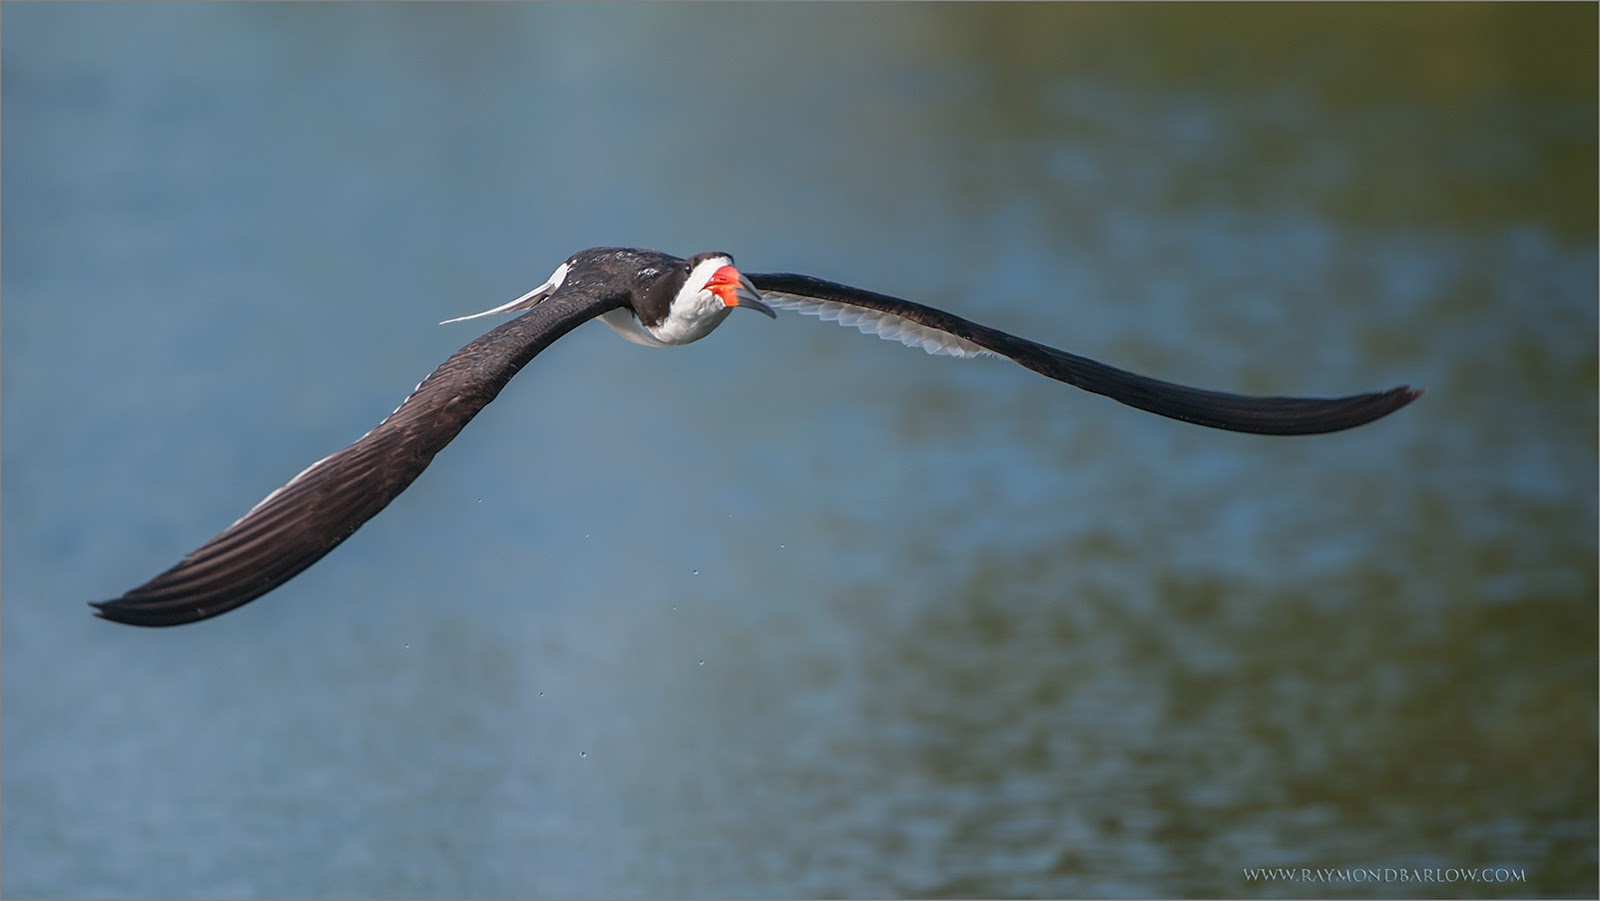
(684, 300)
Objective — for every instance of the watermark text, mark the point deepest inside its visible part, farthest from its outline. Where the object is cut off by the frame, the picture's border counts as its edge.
(1342, 875)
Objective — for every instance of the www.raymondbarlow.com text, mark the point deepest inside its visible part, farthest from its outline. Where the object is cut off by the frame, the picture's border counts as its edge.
(1385, 874)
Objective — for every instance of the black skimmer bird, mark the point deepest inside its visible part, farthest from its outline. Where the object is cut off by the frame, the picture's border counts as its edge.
(657, 300)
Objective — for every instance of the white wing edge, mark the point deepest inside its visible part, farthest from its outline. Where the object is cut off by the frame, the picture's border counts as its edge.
(875, 322)
(527, 301)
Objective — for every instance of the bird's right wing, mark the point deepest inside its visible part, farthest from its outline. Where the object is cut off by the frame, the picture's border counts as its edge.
(939, 332)
(297, 524)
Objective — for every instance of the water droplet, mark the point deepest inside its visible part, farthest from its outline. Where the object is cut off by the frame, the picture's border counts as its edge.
(541, 694)
(586, 534)
(694, 572)
(702, 663)
(780, 547)
(674, 608)
(583, 753)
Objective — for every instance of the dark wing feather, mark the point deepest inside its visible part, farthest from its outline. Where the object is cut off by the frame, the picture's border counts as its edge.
(1220, 410)
(305, 519)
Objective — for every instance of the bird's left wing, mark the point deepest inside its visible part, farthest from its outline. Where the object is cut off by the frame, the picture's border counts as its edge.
(939, 332)
(294, 526)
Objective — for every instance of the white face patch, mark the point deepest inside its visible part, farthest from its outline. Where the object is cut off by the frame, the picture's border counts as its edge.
(874, 322)
(695, 311)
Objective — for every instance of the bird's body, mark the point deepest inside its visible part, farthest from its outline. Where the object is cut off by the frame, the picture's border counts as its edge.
(657, 300)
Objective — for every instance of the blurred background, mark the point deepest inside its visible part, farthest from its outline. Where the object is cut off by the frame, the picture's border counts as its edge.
(792, 611)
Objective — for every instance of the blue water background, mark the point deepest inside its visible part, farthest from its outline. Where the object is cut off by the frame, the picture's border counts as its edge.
(793, 611)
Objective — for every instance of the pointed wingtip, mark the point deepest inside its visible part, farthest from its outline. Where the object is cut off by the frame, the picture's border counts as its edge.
(133, 615)
(1403, 395)
(1371, 407)
(108, 611)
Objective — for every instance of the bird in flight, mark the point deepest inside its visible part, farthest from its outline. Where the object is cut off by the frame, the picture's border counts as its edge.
(658, 300)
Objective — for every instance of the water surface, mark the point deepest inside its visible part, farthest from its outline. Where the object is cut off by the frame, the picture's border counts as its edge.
(793, 612)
